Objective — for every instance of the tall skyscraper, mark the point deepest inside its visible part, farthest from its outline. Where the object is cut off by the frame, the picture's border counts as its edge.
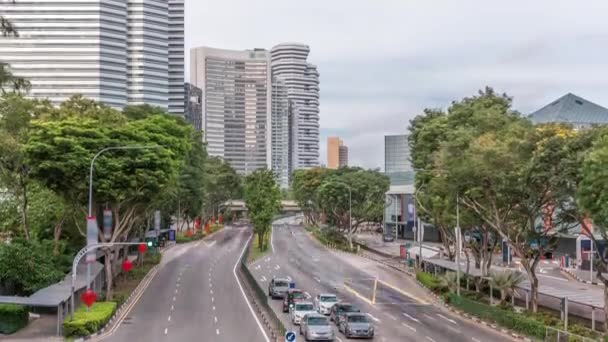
(113, 51)
(343, 156)
(280, 133)
(396, 153)
(176, 57)
(289, 64)
(236, 89)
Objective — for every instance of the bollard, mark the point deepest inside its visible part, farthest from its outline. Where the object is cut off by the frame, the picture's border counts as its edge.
(566, 313)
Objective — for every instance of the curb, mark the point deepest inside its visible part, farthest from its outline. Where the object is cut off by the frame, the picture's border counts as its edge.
(260, 310)
(569, 271)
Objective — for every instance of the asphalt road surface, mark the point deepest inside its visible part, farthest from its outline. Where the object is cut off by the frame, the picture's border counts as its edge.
(195, 296)
(401, 312)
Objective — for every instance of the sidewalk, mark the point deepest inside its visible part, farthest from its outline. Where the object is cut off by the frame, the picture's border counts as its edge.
(585, 276)
(374, 241)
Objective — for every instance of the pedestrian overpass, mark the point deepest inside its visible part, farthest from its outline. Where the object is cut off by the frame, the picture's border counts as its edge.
(287, 206)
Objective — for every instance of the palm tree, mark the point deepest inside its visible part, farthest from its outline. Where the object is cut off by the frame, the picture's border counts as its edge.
(506, 282)
(449, 280)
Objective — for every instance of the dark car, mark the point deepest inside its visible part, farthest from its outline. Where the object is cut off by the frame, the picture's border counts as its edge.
(278, 287)
(339, 309)
(388, 238)
(356, 325)
(293, 295)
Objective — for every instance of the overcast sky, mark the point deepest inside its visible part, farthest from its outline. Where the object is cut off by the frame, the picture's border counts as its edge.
(383, 62)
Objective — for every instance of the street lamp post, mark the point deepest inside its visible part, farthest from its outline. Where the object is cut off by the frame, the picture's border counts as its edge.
(90, 216)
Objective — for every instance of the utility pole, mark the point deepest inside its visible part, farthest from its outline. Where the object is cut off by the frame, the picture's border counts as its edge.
(457, 244)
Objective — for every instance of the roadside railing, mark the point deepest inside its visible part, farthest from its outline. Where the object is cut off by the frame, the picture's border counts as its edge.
(261, 298)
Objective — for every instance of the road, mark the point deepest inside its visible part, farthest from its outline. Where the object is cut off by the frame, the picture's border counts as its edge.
(195, 296)
(401, 314)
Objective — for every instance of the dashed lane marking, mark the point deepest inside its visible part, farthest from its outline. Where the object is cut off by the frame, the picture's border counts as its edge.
(317, 279)
(214, 308)
(411, 317)
(166, 330)
(475, 340)
(217, 331)
(372, 317)
(215, 319)
(391, 316)
(430, 339)
(430, 317)
(409, 327)
(447, 319)
(169, 318)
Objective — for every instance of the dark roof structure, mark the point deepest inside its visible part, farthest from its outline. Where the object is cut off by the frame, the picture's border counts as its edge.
(571, 109)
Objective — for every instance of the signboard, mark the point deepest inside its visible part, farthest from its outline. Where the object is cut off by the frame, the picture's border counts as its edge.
(157, 222)
(506, 253)
(92, 237)
(171, 235)
(290, 336)
(107, 224)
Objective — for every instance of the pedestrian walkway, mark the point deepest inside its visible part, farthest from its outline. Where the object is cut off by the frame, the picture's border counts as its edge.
(429, 249)
(585, 276)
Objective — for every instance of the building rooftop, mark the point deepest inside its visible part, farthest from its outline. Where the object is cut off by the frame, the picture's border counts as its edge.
(571, 109)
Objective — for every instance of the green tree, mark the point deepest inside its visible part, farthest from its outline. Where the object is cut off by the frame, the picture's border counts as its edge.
(305, 184)
(263, 201)
(506, 282)
(126, 181)
(221, 184)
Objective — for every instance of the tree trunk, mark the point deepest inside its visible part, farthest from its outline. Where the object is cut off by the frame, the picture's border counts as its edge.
(503, 296)
(57, 234)
(25, 224)
(533, 284)
(260, 241)
(109, 275)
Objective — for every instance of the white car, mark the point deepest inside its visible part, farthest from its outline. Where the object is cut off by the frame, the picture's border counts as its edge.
(324, 302)
(299, 310)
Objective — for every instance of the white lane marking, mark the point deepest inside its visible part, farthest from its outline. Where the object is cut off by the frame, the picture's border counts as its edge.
(169, 318)
(453, 329)
(271, 235)
(211, 291)
(217, 331)
(175, 290)
(166, 329)
(430, 317)
(447, 319)
(267, 259)
(210, 285)
(411, 317)
(177, 285)
(407, 326)
(212, 299)
(258, 267)
(171, 307)
(215, 319)
(474, 339)
(372, 317)
(339, 339)
(288, 278)
(236, 264)
(391, 316)
(317, 279)
(214, 308)
(174, 298)
(430, 339)
(277, 267)
(263, 278)
(552, 277)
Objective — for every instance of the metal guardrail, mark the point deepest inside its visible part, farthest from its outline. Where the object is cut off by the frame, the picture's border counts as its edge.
(261, 296)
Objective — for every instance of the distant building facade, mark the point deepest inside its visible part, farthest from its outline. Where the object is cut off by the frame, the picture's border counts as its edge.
(343, 156)
(236, 104)
(193, 106)
(397, 164)
(571, 109)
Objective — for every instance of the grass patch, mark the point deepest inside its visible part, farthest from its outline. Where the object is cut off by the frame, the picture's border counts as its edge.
(12, 318)
(431, 282)
(88, 322)
(330, 237)
(124, 284)
(254, 249)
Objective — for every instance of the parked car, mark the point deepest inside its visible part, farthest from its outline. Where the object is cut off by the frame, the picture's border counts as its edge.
(293, 295)
(278, 287)
(324, 302)
(316, 327)
(356, 324)
(339, 309)
(299, 310)
(388, 238)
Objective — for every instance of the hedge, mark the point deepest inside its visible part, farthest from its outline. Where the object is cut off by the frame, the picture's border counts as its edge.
(430, 282)
(505, 318)
(12, 318)
(88, 322)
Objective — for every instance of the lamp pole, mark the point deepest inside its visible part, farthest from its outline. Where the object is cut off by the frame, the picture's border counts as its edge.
(90, 217)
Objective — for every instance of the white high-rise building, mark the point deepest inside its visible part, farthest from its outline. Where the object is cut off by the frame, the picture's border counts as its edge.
(280, 133)
(289, 64)
(236, 104)
(113, 51)
(176, 57)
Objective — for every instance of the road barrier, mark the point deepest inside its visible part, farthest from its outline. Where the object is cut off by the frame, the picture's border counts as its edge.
(260, 298)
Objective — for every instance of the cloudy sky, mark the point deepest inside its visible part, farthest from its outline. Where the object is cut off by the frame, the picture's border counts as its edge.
(382, 62)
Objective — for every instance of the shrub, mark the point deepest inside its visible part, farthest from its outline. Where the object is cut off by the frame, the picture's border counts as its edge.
(430, 282)
(88, 322)
(520, 323)
(12, 318)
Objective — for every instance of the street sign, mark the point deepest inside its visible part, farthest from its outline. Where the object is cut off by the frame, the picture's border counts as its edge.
(107, 224)
(290, 336)
(171, 235)
(91, 237)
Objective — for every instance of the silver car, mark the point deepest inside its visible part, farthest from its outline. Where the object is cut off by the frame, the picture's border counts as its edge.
(356, 325)
(315, 327)
(324, 302)
(278, 287)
